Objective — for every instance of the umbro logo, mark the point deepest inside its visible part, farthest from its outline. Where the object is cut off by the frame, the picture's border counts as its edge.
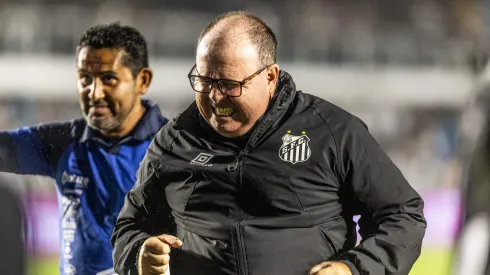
(202, 159)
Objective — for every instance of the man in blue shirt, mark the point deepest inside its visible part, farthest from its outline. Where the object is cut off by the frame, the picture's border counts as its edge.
(93, 159)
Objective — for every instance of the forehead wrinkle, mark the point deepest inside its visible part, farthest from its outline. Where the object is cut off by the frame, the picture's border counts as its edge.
(96, 61)
(219, 71)
(95, 55)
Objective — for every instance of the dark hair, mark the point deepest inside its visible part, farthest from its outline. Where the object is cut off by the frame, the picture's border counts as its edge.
(115, 36)
(258, 32)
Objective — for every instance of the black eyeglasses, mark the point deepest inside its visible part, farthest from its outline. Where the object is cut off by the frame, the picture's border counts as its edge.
(228, 87)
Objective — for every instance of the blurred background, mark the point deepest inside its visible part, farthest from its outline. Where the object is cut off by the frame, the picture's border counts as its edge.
(409, 69)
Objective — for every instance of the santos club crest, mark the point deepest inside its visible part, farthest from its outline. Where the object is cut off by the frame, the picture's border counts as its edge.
(295, 148)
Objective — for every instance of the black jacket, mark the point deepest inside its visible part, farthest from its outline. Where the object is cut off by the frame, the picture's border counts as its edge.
(278, 204)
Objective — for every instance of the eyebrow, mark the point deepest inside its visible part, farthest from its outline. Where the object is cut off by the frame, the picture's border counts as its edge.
(230, 79)
(97, 61)
(98, 73)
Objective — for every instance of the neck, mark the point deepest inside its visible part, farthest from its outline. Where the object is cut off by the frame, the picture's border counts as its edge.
(129, 123)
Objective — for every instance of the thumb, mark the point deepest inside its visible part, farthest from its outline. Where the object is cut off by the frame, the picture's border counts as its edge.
(318, 267)
(170, 240)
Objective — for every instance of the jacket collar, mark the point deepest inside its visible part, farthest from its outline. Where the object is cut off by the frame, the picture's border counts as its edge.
(285, 95)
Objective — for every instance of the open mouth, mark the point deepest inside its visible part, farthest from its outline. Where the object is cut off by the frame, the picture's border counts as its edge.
(224, 112)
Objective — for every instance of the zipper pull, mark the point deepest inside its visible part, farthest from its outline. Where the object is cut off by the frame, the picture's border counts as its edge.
(232, 166)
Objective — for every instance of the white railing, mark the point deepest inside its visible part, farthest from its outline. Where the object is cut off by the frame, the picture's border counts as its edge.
(46, 76)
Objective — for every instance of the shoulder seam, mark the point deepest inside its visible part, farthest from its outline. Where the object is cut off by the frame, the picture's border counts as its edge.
(329, 129)
(169, 148)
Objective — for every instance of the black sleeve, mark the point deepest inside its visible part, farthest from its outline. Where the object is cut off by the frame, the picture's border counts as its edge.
(145, 213)
(34, 150)
(392, 224)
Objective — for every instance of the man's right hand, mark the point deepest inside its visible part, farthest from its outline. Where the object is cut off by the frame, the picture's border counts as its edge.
(154, 256)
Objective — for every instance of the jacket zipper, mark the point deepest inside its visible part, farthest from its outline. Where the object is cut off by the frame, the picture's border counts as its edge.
(241, 261)
(239, 245)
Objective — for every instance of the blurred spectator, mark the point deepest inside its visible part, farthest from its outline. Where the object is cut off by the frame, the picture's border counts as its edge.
(12, 252)
(473, 242)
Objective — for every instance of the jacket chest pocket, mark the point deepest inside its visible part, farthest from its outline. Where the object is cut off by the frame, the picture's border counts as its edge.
(179, 185)
(287, 191)
(338, 234)
(272, 194)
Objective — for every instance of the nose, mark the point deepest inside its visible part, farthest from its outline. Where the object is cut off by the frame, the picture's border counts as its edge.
(96, 90)
(216, 95)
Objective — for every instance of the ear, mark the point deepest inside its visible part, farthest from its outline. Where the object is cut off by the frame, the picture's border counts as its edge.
(272, 78)
(143, 80)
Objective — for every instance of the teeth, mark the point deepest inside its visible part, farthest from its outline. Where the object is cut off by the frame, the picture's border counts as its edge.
(225, 111)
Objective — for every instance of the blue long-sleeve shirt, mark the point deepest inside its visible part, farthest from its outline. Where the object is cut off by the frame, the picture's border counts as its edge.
(92, 176)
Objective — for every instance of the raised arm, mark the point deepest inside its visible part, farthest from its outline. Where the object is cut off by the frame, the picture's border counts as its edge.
(34, 150)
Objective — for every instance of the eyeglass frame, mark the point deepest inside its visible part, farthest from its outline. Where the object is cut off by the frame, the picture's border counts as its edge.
(215, 80)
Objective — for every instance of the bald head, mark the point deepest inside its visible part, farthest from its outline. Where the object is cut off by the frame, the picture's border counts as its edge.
(240, 29)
